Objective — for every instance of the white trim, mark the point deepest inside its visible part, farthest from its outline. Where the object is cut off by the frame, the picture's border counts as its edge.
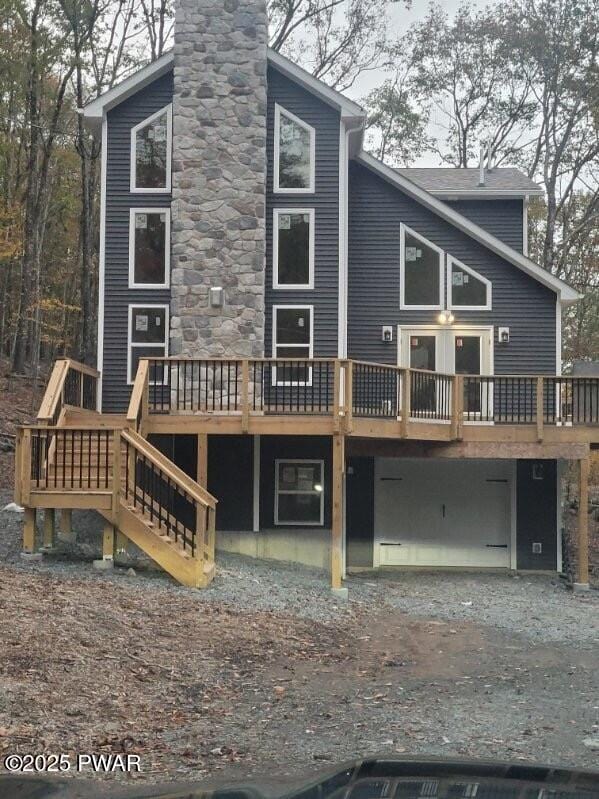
(321, 494)
(514, 516)
(275, 344)
(256, 485)
(525, 226)
(403, 229)
(133, 188)
(143, 77)
(102, 260)
(565, 292)
(167, 249)
(275, 248)
(95, 110)
(489, 286)
(558, 338)
(343, 240)
(482, 193)
(311, 188)
(130, 345)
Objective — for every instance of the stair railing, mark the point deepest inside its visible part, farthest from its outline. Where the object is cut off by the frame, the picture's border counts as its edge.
(167, 497)
(71, 384)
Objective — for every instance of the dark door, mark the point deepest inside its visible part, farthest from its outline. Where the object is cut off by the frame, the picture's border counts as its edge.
(359, 510)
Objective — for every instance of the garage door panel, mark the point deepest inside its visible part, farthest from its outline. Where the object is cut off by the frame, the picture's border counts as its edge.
(442, 513)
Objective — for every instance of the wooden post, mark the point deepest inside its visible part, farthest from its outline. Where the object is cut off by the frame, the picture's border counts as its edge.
(29, 530)
(540, 408)
(245, 406)
(349, 396)
(202, 468)
(406, 399)
(337, 510)
(459, 403)
(66, 522)
(337, 396)
(116, 473)
(25, 465)
(49, 539)
(202, 479)
(108, 539)
(582, 576)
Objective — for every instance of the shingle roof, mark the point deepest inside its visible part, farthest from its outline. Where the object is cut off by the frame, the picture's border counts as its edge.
(447, 180)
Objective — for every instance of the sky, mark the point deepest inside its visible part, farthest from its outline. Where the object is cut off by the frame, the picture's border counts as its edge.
(400, 19)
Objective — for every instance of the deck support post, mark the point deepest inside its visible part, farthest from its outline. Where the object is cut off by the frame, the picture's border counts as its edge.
(29, 517)
(108, 542)
(49, 539)
(337, 511)
(202, 466)
(66, 522)
(582, 572)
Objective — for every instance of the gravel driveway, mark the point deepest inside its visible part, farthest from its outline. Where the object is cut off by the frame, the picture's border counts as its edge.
(267, 670)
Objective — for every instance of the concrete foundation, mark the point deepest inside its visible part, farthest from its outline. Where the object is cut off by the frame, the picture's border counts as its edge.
(305, 546)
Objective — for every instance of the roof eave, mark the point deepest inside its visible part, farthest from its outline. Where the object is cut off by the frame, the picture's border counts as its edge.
(485, 194)
(566, 294)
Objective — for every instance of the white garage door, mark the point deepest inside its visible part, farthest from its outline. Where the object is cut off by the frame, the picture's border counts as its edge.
(442, 513)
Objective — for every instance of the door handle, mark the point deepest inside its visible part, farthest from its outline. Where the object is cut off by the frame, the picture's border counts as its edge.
(443, 509)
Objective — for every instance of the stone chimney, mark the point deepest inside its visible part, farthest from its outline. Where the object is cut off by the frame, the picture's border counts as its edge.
(219, 176)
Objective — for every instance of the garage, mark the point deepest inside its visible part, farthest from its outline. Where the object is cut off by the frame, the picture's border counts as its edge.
(442, 512)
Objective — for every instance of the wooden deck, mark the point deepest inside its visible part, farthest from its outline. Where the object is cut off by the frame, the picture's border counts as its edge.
(77, 457)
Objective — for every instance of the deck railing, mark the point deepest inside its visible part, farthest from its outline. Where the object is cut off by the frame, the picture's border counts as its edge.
(71, 384)
(350, 388)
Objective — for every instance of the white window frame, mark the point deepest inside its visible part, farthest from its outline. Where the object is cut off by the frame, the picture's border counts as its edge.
(278, 463)
(133, 188)
(130, 344)
(402, 271)
(275, 344)
(167, 248)
(489, 286)
(310, 189)
(275, 248)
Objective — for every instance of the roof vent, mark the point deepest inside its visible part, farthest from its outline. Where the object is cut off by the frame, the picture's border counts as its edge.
(481, 165)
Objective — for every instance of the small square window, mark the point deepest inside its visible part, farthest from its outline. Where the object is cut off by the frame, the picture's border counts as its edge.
(299, 492)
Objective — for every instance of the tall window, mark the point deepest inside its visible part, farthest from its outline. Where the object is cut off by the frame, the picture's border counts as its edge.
(292, 340)
(294, 154)
(293, 248)
(421, 278)
(149, 248)
(148, 336)
(151, 153)
(466, 288)
(299, 492)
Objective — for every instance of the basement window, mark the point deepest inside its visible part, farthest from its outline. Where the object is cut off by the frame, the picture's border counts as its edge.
(149, 248)
(421, 272)
(292, 342)
(151, 142)
(299, 492)
(294, 156)
(147, 337)
(293, 248)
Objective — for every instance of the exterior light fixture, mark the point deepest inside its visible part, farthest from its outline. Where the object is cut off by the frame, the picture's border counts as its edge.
(318, 488)
(446, 318)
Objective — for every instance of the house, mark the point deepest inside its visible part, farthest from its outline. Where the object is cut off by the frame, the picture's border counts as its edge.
(360, 364)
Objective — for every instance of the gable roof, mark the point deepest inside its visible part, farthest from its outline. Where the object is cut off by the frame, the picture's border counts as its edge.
(94, 111)
(351, 112)
(455, 183)
(566, 293)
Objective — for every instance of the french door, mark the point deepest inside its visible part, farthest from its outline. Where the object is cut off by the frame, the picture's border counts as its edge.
(459, 350)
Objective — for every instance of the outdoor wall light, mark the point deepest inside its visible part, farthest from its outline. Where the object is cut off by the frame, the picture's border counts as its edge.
(318, 488)
(216, 296)
(446, 318)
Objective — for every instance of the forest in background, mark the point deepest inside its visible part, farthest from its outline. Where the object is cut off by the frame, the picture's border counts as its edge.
(519, 78)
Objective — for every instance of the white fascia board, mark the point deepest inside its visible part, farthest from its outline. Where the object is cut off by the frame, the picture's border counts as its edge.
(347, 107)
(93, 111)
(566, 293)
(485, 194)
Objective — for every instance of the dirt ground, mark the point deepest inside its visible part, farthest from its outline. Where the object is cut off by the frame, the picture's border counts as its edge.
(266, 671)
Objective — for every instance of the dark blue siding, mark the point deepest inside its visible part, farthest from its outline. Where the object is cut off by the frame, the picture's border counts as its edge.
(375, 211)
(325, 201)
(117, 294)
(502, 218)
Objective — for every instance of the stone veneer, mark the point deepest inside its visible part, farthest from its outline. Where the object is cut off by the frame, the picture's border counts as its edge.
(219, 174)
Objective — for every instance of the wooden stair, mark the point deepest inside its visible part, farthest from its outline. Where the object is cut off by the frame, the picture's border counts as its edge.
(79, 458)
